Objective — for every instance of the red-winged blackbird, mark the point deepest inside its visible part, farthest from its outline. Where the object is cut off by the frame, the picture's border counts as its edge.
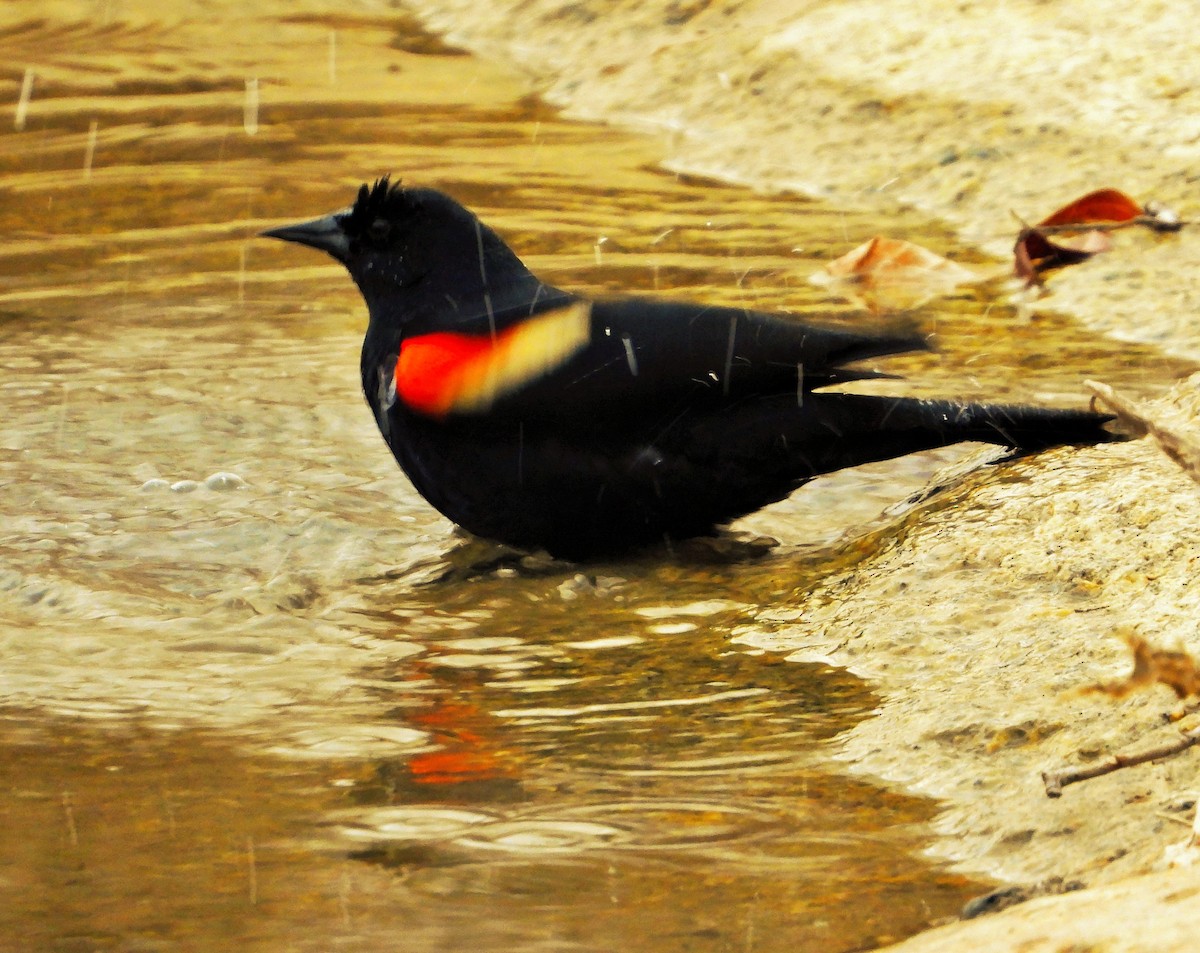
(539, 418)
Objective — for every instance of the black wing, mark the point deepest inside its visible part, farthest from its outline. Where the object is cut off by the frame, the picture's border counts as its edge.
(647, 357)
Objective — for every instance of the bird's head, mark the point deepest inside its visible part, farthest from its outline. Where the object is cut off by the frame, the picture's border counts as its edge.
(410, 250)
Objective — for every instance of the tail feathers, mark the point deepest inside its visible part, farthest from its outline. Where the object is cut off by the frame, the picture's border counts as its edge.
(847, 347)
(829, 353)
(1027, 429)
(831, 431)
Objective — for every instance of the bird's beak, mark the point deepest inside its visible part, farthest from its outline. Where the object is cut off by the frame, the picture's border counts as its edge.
(322, 233)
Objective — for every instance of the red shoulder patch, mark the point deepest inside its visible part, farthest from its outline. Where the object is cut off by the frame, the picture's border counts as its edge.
(431, 367)
(444, 372)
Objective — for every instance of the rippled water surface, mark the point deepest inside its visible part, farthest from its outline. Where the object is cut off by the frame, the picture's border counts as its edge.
(254, 694)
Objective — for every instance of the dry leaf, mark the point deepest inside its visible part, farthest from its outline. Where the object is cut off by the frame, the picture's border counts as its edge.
(1035, 253)
(1062, 239)
(1103, 205)
(1151, 666)
(1186, 853)
(889, 274)
(1136, 421)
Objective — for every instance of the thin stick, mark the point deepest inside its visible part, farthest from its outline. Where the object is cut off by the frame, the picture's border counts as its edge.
(1059, 778)
(1160, 220)
(250, 107)
(1176, 820)
(344, 897)
(23, 99)
(90, 153)
(1147, 221)
(69, 811)
(252, 870)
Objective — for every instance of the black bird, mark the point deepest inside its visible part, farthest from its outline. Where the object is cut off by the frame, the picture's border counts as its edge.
(540, 418)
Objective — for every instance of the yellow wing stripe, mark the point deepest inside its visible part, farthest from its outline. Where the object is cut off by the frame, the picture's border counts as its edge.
(444, 373)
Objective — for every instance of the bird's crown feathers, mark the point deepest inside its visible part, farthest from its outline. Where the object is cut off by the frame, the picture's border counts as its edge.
(383, 200)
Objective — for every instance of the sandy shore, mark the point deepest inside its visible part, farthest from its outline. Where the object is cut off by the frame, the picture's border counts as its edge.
(971, 112)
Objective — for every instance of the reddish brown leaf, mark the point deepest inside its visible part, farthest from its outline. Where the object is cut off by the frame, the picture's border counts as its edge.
(1051, 244)
(1057, 241)
(1103, 205)
(1035, 253)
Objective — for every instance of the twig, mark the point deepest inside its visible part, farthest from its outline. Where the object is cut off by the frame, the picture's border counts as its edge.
(1156, 217)
(1059, 778)
(1175, 819)
(1146, 221)
(252, 870)
(68, 804)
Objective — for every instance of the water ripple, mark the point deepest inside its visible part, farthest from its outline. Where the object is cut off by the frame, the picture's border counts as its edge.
(666, 825)
(631, 706)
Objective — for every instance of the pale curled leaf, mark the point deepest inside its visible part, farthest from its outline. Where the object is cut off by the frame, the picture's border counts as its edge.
(1136, 420)
(887, 274)
(1091, 242)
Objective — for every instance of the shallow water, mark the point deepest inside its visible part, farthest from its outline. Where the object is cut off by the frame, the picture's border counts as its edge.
(252, 691)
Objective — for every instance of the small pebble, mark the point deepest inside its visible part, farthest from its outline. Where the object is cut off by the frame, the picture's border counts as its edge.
(572, 588)
(224, 481)
(155, 484)
(185, 486)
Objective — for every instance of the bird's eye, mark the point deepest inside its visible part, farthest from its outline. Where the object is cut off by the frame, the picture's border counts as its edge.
(379, 229)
